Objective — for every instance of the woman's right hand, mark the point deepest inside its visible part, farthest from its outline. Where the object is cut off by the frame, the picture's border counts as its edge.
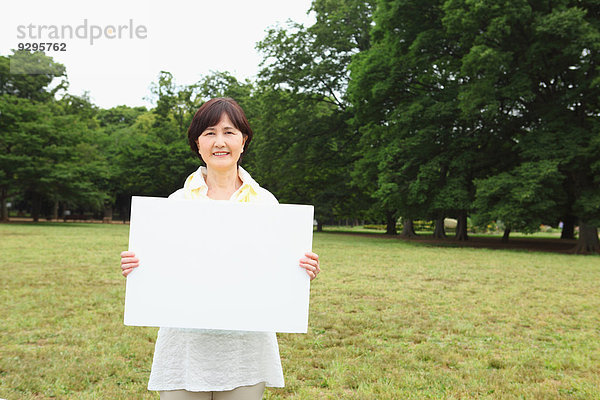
(128, 262)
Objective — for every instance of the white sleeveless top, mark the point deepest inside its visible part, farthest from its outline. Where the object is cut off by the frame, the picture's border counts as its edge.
(200, 360)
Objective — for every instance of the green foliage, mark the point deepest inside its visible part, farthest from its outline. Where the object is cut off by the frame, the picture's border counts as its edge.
(28, 74)
(519, 198)
(457, 94)
(380, 109)
(49, 154)
(300, 151)
(119, 116)
(305, 145)
(403, 90)
(314, 59)
(532, 66)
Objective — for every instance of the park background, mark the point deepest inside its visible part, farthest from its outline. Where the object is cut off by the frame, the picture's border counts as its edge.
(387, 116)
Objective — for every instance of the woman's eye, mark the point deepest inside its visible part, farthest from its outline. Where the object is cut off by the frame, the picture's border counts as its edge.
(208, 133)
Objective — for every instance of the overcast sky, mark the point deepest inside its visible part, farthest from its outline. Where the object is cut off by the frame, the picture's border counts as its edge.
(185, 37)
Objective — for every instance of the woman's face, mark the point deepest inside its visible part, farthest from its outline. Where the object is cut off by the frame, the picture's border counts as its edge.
(221, 145)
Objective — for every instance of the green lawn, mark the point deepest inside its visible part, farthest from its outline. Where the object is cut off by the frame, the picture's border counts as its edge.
(389, 319)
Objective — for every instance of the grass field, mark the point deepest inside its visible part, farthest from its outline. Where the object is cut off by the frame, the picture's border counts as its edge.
(389, 319)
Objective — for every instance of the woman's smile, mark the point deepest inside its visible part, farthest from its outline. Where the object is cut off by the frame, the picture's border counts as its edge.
(221, 145)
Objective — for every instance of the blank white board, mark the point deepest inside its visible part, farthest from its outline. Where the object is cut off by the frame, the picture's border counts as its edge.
(219, 265)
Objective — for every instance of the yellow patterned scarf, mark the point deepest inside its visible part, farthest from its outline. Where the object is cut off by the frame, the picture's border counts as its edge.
(195, 187)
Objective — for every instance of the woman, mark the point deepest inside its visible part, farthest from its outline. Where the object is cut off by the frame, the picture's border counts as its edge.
(216, 364)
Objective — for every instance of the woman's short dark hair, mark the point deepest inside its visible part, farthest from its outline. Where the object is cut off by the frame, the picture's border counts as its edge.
(210, 113)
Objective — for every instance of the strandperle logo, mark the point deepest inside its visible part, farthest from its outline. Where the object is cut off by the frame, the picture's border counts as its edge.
(83, 31)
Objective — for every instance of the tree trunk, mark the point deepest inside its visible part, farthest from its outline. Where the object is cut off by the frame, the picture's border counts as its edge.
(390, 218)
(36, 205)
(588, 242)
(506, 234)
(439, 232)
(319, 226)
(408, 228)
(108, 213)
(126, 209)
(55, 211)
(461, 228)
(3, 207)
(568, 230)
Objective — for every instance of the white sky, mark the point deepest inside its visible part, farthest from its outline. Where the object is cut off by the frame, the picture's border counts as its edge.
(185, 37)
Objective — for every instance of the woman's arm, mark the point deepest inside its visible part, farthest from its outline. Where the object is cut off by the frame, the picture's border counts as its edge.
(311, 264)
(128, 262)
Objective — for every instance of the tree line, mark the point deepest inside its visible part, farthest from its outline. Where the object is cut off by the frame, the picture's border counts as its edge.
(379, 110)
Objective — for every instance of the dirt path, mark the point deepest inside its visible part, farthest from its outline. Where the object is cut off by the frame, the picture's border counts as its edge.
(525, 244)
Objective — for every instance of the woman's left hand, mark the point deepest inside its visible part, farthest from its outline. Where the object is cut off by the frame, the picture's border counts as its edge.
(311, 264)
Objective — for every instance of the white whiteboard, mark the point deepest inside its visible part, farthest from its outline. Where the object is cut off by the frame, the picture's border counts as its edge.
(219, 265)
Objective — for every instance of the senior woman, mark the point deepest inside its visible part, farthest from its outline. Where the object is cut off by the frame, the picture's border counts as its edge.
(217, 364)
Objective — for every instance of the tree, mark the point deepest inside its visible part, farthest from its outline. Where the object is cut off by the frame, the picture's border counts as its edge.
(404, 91)
(300, 152)
(28, 75)
(304, 80)
(538, 62)
(26, 122)
(479, 92)
(13, 144)
(314, 59)
(520, 198)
